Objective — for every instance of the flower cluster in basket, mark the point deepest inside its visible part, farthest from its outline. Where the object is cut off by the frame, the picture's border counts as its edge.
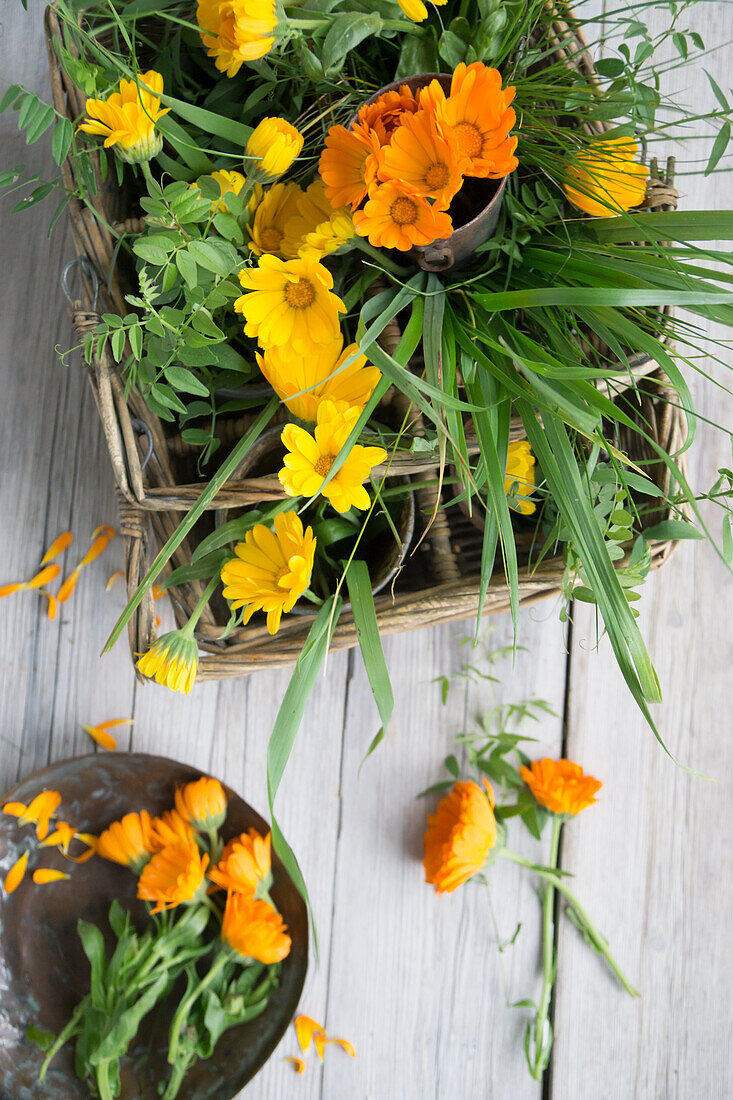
(211, 921)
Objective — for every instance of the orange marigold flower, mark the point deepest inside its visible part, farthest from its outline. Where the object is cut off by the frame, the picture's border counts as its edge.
(16, 874)
(396, 217)
(459, 836)
(254, 929)
(128, 841)
(606, 178)
(57, 547)
(170, 828)
(560, 785)
(476, 116)
(38, 812)
(44, 875)
(174, 876)
(386, 113)
(348, 164)
(100, 733)
(245, 864)
(423, 160)
(202, 803)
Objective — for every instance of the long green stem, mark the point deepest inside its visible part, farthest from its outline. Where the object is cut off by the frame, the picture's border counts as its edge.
(62, 1038)
(542, 1040)
(105, 1090)
(198, 609)
(188, 1002)
(599, 941)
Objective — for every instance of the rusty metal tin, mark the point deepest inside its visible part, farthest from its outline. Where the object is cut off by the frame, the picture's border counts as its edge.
(476, 207)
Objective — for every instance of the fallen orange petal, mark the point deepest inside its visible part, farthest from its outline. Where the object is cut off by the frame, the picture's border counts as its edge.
(15, 875)
(101, 736)
(62, 836)
(40, 810)
(44, 875)
(48, 573)
(113, 578)
(158, 621)
(104, 529)
(68, 586)
(319, 1040)
(99, 544)
(53, 606)
(345, 1045)
(57, 547)
(15, 809)
(298, 1063)
(8, 589)
(305, 1029)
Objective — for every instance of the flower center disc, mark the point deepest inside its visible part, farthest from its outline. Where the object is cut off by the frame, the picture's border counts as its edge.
(468, 138)
(437, 176)
(403, 211)
(324, 464)
(271, 239)
(301, 294)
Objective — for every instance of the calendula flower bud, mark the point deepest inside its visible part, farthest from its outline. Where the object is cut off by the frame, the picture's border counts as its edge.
(275, 144)
(172, 661)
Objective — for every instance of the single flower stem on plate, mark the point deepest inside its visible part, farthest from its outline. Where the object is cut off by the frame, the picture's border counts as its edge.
(188, 1002)
(103, 1084)
(63, 1037)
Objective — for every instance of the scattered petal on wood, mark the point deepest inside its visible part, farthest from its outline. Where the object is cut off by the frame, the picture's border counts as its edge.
(68, 586)
(345, 1045)
(305, 1029)
(104, 529)
(53, 606)
(57, 547)
(99, 732)
(49, 573)
(115, 576)
(298, 1064)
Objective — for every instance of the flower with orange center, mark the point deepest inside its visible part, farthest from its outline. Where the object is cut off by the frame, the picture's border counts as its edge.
(386, 113)
(202, 803)
(422, 159)
(253, 929)
(235, 31)
(477, 118)
(245, 865)
(310, 458)
(304, 381)
(128, 841)
(560, 785)
(396, 217)
(170, 828)
(174, 876)
(459, 836)
(271, 569)
(289, 302)
(605, 178)
(348, 164)
(38, 812)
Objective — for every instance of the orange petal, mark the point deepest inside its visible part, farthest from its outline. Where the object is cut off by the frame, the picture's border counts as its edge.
(105, 529)
(298, 1063)
(49, 573)
(113, 578)
(101, 736)
(158, 621)
(8, 589)
(345, 1045)
(68, 586)
(15, 809)
(44, 875)
(99, 544)
(319, 1040)
(62, 836)
(305, 1029)
(57, 547)
(43, 805)
(53, 606)
(15, 875)
(158, 591)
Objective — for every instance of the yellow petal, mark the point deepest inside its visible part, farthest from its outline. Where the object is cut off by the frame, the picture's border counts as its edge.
(44, 875)
(345, 1045)
(49, 573)
(298, 1063)
(15, 809)
(67, 587)
(57, 547)
(113, 578)
(15, 875)
(105, 529)
(305, 1029)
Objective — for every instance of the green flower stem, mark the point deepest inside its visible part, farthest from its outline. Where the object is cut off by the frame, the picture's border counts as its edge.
(599, 941)
(541, 1023)
(188, 1002)
(103, 1084)
(380, 255)
(198, 609)
(62, 1038)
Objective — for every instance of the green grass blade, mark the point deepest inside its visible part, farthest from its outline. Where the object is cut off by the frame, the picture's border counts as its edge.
(370, 644)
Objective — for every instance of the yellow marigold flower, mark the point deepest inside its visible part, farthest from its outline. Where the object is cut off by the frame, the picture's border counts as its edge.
(271, 570)
(560, 785)
(520, 475)
(254, 929)
(128, 841)
(245, 865)
(388, 111)
(310, 457)
(275, 207)
(459, 836)
(419, 157)
(230, 183)
(274, 144)
(235, 31)
(39, 812)
(170, 828)
(202, 803)
(348, 164)
(289, 302)
(606, 178)
(172, 661)
(174, 876)
(477, 118)
(16, 874)
(290, 374)
(44, 875)
(315, 226)
(416, 10)
(396, 217)
(126, 118)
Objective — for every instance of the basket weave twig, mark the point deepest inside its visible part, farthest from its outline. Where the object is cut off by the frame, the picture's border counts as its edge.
(440, 581)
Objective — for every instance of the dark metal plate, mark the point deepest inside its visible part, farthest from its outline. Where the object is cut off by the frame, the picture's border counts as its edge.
(44, 972)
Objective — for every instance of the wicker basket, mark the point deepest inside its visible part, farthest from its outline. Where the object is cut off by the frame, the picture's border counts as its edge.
(154, 469)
